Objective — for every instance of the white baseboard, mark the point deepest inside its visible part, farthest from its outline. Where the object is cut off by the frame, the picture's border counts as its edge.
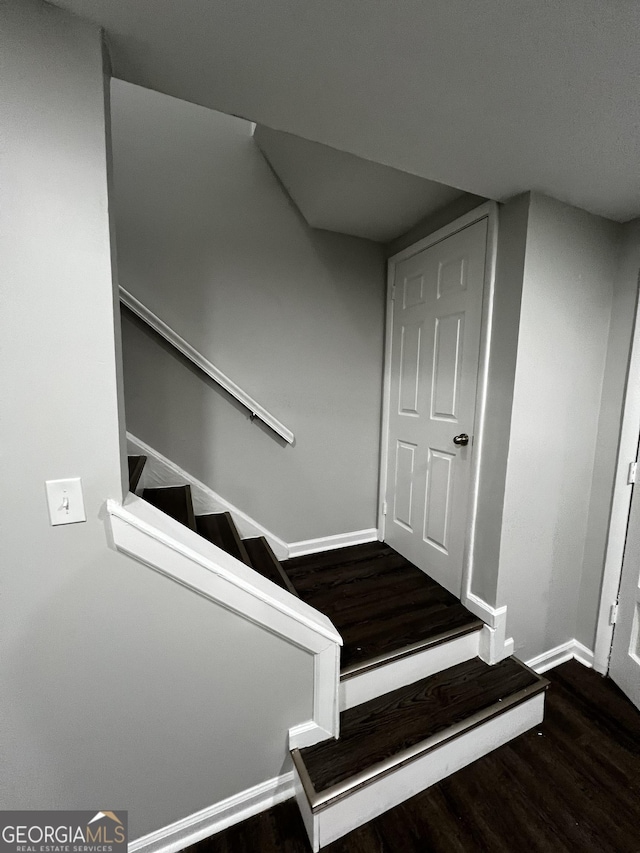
(328, 543)
(561, 654)
(307, 734)
(160, 471)
(176, 836)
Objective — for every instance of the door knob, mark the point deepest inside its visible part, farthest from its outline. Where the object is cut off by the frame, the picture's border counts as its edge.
(461, 440)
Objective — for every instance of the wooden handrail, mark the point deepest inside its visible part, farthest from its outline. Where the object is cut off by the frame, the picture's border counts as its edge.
(203, 364)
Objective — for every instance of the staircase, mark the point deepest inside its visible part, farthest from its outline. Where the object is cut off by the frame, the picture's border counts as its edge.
(417, 703)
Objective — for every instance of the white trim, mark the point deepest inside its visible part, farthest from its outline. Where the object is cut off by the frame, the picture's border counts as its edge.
(307, 734)
(621, 504)
(143, 532)
(200, 825)
(329, 543)
(160, 471)
(482, 388)
(494, 645)
(488, 211)
(204, 364)
(362, 687)
(392, 788)
(561, 654)
(494, 617)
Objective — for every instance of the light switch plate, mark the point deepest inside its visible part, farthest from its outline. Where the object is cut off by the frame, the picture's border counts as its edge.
(66, 504)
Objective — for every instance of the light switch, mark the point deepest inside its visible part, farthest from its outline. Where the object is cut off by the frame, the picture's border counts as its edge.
(66, 504)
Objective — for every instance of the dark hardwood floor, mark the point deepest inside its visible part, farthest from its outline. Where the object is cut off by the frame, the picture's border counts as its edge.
(378, 600)
(571, 785)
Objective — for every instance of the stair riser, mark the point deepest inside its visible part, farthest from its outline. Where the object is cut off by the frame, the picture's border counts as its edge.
(406, 670)
(386, 791)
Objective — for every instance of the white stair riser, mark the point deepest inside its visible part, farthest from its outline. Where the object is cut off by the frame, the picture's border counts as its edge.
(398, 673)
(396, 786)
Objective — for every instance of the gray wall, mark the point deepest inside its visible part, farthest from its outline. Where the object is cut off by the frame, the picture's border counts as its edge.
(570, 268)
(209, 240)
(625, 289)
(118, 686)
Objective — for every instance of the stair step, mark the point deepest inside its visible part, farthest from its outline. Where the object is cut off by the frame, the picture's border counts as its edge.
(362, 682)
(136, 464)
(265, 561)
(398, 625)
(175, 501)
(396, 745)
(220, 529)
(379, 602)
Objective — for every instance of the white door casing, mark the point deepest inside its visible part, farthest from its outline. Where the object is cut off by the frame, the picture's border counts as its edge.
(624, 664)
(433, 353)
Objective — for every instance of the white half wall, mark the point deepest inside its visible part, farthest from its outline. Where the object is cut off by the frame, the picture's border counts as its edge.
(209, 241)
(118, 686)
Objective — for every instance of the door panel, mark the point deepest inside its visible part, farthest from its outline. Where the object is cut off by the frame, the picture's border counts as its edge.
(435, 342)
(409, 368)
(403, 500)
(438, 499)
(624, 666)
(447, 365)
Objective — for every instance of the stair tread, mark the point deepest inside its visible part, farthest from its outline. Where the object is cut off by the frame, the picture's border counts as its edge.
(175, 501)
(379, 601)
(136, 464)
(219, 528)
(266, 563)
(384, 728)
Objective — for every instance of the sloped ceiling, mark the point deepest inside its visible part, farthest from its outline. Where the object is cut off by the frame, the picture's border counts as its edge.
(342, 192)
(493, 97)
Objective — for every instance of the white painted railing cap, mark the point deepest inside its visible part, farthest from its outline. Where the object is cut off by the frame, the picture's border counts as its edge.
(150, 536)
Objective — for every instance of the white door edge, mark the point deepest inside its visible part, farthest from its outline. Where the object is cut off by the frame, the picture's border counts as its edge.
(488, 211)
(621, 504)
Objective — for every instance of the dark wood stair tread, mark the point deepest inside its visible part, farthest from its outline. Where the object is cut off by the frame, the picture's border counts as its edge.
(381, 730)
(220, 529)
(379, 602)
(267, 564)
(175, 501)
(136, 464)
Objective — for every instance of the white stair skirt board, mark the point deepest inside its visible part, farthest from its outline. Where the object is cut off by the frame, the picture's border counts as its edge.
(159, 472)
(389, 788)
(213, 819)
(361, 686)
(572, 649)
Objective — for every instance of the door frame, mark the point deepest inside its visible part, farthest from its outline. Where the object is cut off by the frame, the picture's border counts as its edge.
(621, 502)
(488, 211)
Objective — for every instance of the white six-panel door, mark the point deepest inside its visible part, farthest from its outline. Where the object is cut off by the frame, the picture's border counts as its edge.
(624, 665)
(435, 342)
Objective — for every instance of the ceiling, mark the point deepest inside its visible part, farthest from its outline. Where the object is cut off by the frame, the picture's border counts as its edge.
(493, 97)
(342, 192)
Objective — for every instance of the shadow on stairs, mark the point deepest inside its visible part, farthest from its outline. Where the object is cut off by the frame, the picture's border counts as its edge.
(416, 701)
